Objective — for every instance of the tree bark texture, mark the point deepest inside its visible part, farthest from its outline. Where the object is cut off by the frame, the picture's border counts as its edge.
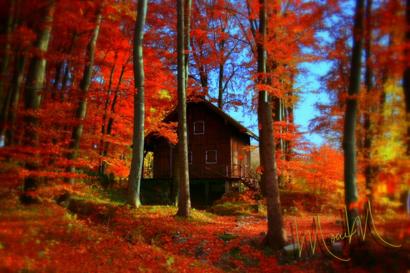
(183, 171)
(349, 136)
(84, 87)
(134, 180)
(34, 85)
(275, 237)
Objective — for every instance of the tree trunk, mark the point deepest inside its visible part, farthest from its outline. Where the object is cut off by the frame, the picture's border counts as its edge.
(203, 73)
(220, 86)
(10, 103)
(6, 58)
(290, 121)
(290, 128)
(274, 238)
(57, 79)
(368, 131)
(84, 86)
(278, 111)
(110, 122)
(221, 77)
(183, 171)
(105, 115)
(289, 142)
(16, 84)
(34, 85)
(349, 140)
(66, 72)
(187, 44)
(134, 180)
(406, 74)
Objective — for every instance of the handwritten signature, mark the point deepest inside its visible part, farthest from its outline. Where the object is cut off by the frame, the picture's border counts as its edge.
(356, 229)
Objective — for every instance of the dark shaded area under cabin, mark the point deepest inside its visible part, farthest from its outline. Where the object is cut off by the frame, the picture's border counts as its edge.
(162, 192)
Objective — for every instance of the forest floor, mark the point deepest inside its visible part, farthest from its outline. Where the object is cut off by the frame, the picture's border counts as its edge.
(92, 232)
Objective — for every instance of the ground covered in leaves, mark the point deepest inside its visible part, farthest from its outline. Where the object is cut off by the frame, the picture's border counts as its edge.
(92, 233)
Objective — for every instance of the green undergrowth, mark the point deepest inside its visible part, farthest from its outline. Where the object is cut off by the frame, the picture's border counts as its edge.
(195, 215)
(114, 198)
(98, 200)
(238, 208)
(226, 237)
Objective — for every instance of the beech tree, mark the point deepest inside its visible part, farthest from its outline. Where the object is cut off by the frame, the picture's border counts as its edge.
(139, 109)
(84, 87)
(216, 51)
(4, 68)
(13, 96)
(184, 204)
(61, 93)
(349, 136)
(275, 237)
(377, 124)
(5, 100)
(34, 85)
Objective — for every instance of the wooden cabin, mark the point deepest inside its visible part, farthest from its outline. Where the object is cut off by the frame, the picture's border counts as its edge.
(218, 145)
(218, 156)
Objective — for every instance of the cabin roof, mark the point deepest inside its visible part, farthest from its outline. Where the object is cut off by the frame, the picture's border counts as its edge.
(234, 123)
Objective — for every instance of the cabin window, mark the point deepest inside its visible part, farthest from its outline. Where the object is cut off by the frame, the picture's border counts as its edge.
(199, 127)
(211, 157)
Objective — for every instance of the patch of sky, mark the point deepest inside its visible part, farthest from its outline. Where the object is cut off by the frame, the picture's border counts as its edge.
(310, 94)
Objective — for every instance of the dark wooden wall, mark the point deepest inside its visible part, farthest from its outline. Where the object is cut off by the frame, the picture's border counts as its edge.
(162, 159)
(216, 137)
(219, 135)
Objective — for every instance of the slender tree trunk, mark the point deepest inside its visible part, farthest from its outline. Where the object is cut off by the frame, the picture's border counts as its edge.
(183, 171)
(32, 96)
(221, 77)
(57, 79)
(290, 120)
(66, 66)
(204, 82)
(406, 74)
(278, 111)
(220, 86)
(187, 40)
(105, 115)
(4, 118)
(368, 131)
(275, 237)
(111, 119)
(4, 69)
(349, 141)
(84, 87)
(203, 75)
(64, 81)
(16, 84)
(139, 109)
(289, 142)
(267, 68)
(288, 117)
